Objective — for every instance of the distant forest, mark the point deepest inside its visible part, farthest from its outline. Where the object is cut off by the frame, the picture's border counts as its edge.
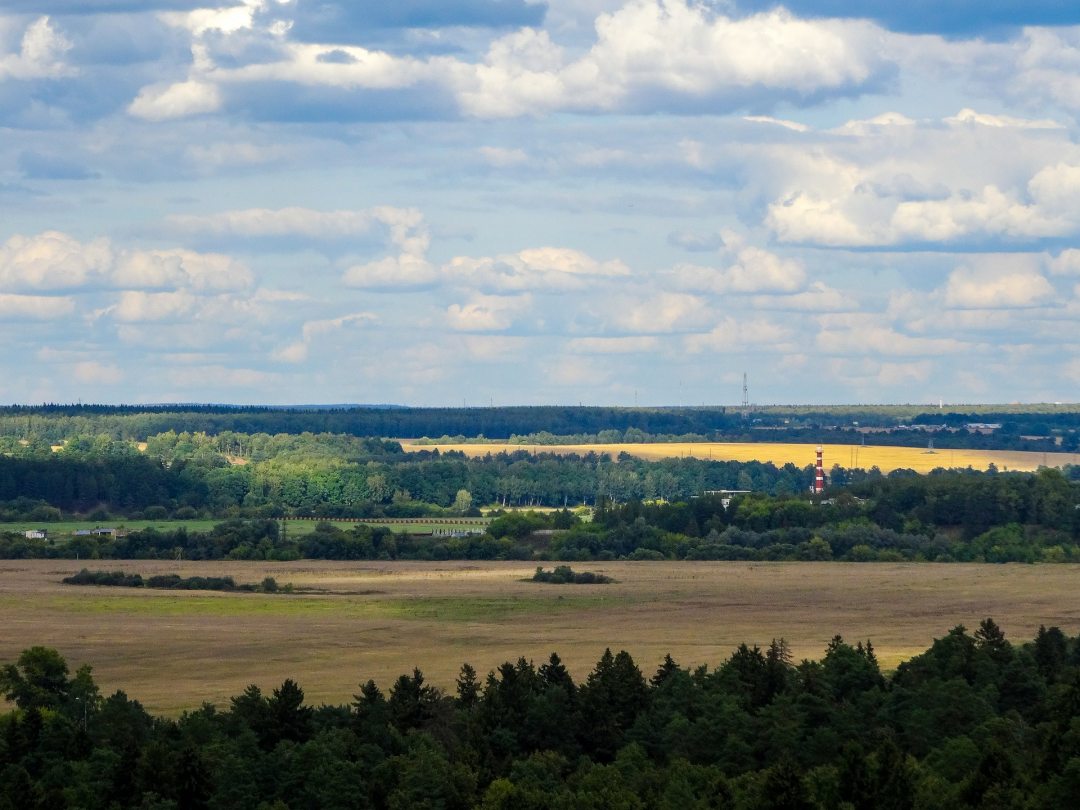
(966, 517)
(643, 510)
(975, 721)
(1042, 429)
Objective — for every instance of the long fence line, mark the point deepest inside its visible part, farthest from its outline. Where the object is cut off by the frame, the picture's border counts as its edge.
(436, 521)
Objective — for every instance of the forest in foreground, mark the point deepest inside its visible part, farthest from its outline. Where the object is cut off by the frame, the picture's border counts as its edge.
(974, 721)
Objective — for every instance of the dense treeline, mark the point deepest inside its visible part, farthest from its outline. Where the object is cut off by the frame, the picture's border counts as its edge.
(54, 424)
(361, 484)
(975, 721)
(944, 518)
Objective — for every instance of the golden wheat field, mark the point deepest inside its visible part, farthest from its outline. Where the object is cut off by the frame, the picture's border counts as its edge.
(353, 621)
(846, 455)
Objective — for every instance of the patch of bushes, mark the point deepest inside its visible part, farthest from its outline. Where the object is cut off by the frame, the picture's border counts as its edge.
(565, 575)
(173, 582)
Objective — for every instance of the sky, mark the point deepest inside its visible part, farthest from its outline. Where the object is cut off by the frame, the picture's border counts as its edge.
(607, 202)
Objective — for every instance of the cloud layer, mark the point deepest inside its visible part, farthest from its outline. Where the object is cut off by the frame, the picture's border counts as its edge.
(518, 201)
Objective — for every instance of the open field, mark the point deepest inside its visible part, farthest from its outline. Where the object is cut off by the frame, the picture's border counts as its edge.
(846, 455)
(173, 650)
(63, 529)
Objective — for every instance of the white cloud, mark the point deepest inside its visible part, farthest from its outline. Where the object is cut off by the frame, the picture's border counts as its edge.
(650, 52)
(659, 313)
(613, 345)
(92, 372)
(486, 313)
(164, 102)
(180, 268)
(40, 55)
(818, 297)
(402, 272)
(138, 307)
(997, 284)
(35, 307)
(1066, 263)
(794, 126)
(55, 260)
(52, 260)
(406, 225)
(968, 117)
(545, 268)
(864, 335)
(754, 271)
(927, 184)
(647, 55)
(731, 334)
(298, 352)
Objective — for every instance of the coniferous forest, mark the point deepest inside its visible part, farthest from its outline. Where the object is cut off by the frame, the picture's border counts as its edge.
(974, 721)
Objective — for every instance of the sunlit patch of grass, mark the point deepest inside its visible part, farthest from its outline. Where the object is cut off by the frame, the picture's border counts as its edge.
(426, 609)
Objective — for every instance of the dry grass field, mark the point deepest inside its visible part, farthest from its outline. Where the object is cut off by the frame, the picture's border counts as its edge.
(173, 650)
(846, 455)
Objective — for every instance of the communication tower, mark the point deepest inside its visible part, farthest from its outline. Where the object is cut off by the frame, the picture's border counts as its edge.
(819, 473)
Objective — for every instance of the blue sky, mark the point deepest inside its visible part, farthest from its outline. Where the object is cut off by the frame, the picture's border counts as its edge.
(595, 201)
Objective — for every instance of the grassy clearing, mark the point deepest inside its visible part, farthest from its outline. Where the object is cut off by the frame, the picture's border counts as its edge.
(354, 621)
(63, 530)
(846, 455)
(235, 606)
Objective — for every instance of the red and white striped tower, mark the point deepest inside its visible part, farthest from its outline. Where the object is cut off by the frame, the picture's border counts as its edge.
(819, 474)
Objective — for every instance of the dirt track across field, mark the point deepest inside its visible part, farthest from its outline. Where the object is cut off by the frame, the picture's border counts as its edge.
(354, 621)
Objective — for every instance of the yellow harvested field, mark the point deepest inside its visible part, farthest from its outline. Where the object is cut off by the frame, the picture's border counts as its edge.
(846, 455)
(359, 620)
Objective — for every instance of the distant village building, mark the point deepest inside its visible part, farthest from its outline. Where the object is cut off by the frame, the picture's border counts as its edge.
(36, 534)
(99, 532)
(985, 428)
(726, 494)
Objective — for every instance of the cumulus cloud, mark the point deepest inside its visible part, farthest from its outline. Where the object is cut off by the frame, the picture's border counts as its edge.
(648, 55)
(298, 351)
(35, 307)
(546, 268)
(486, 313)
(135, 306)
(818, 297)
(164, 102)
(731, 334)
(55, 260)
(52, 260)
(754, 271)
(997, 284)
(933, 184)
(40, 55)
(660, 313)
(866, 335)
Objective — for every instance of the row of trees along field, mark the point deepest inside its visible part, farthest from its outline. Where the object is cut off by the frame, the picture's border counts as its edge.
(975, 721)
(123, 480)
(335, 474)
(949, 517)
(54, 424)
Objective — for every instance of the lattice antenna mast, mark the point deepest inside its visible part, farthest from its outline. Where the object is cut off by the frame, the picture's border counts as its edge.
(745, 398)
